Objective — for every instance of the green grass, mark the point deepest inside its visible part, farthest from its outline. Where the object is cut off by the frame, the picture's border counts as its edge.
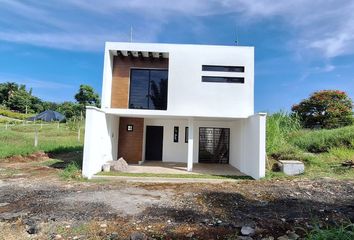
(71, 172)
(318, 141)
(169, 175)
(16, 115)
(19, 139)
(279, 126)
(333, 233)
(322, 151)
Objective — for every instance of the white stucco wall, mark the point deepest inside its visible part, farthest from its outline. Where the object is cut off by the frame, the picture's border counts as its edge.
(171, 151)
(177, 152)
(254, 146)
(187, 94)
(101, 138)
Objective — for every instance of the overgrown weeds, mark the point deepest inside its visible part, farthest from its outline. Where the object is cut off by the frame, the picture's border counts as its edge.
(332, 233)
(71, 172)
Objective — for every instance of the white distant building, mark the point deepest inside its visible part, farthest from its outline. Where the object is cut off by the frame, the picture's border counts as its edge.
(176, 103)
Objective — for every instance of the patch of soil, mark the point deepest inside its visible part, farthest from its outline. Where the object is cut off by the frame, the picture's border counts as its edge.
(91, 210)
(37, 156)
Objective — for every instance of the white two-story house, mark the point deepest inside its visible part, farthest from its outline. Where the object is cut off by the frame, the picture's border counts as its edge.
(176, 103)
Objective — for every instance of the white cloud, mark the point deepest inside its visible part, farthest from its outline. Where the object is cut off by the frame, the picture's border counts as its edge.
(323, 27)
(34, 83)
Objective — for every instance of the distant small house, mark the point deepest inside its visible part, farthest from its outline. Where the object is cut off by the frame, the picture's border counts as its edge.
(48, 116)
(176, 103)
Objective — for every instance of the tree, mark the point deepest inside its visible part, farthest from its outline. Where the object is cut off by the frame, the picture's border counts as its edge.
(69, 109)
(7, 90)
(87, 96)
(326, 109)
(19, 101)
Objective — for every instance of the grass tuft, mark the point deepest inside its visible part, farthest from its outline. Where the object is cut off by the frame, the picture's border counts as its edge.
(71, 172)
(334, 233)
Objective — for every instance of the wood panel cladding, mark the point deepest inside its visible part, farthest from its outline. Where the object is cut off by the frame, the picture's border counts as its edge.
(130, 143)
(121, 76)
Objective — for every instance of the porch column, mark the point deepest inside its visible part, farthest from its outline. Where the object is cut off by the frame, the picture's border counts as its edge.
(190, 144)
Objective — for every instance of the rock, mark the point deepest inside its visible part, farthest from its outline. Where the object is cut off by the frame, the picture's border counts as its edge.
(246, 231)
(120, 165)
(103, 225)
(284, 237)
(58, 237)
(190, 235)
(113, 236)
(293, 236)
(244, 238)
(138, 236)
(3, 204)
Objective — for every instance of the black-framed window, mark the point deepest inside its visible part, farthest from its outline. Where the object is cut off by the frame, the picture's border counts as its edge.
(217, 68)
(186, 134)
(223, 79)
(214, 145)
(175, 134)
(148, 89)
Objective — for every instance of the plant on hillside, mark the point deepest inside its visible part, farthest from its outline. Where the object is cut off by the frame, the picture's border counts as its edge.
(325, 109)
(279, 126)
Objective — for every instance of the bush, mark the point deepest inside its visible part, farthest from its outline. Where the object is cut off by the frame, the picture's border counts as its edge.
(325, 109)
(323, 140)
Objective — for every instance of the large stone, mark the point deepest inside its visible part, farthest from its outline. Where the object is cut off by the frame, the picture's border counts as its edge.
(247, 231)
(120, 165)
(292, 167)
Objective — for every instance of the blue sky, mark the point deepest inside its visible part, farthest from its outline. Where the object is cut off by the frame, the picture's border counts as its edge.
(301, 46)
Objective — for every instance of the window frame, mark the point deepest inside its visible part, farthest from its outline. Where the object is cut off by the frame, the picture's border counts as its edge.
(239, 80)
(130, 86)
(223, 68)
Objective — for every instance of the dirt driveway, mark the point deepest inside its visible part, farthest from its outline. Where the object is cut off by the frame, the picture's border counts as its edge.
(35, 203)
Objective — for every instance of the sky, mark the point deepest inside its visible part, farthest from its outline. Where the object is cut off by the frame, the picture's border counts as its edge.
(301, 46)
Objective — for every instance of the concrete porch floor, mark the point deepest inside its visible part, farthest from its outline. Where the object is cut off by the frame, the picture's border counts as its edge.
(181, 168)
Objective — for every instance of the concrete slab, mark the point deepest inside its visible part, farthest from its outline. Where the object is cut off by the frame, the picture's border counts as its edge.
(292, 167)
(181, 168)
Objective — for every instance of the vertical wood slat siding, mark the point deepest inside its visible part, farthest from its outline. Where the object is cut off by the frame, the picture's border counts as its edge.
(130, 144)
(121, 76)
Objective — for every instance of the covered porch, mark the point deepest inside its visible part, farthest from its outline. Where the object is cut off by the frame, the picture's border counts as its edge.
(112, 134)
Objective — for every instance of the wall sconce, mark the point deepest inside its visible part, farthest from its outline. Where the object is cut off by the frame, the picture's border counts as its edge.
(129, 127)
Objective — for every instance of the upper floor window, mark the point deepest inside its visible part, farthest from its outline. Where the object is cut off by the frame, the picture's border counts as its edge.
(148, 89)
(223, 79)
(216, 68)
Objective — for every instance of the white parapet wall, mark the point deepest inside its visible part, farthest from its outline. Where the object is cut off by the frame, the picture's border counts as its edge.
(254, 146)
(100, 140)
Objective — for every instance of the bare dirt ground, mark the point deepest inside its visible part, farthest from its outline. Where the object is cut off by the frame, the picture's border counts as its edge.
(36, 204)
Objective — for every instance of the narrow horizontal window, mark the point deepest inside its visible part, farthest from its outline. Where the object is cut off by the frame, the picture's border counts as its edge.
(223, 79)
(216, 68)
